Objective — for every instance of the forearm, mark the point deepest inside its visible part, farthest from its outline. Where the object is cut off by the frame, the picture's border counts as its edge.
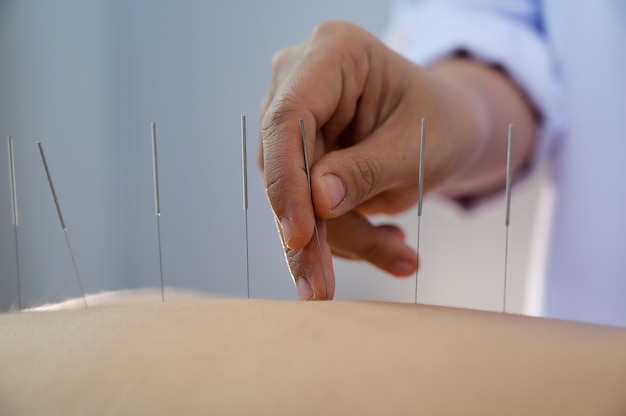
(479, 101)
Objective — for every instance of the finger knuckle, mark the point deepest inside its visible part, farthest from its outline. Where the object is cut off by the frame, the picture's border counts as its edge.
(331, 28)
(295, 261)
(281, 110)
(275, 179)
(275, 190)
(281, 59)
(367, 172)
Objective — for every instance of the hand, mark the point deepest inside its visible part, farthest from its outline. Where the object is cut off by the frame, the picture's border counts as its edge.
(361, 104)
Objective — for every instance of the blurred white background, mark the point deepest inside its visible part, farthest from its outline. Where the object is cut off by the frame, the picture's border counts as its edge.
(87, 78)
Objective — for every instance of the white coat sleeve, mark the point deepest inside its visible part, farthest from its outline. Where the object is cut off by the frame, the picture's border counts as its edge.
(507, 33)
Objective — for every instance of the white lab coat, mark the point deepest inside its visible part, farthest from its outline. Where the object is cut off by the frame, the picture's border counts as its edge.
(570, 59)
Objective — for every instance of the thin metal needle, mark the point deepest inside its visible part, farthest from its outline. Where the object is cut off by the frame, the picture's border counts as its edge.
(420, 196)
(244, 164)
(508, 209)
(157, 203)
(15, 221)
(56, 202)
(308, 176)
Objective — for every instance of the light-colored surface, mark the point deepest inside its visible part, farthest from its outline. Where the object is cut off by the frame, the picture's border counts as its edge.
(196, 355)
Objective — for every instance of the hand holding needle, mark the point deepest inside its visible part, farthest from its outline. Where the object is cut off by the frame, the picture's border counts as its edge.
(358, 100)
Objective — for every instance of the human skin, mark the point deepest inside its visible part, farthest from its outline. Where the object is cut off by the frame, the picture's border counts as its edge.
(362, 104)
(193, 354)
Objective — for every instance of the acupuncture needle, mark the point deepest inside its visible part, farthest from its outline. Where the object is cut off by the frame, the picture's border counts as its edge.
(56, 202)
(508, 208)
(157, 203)
(244, 165)
(420, 196)
(15, 220)
(308, 176)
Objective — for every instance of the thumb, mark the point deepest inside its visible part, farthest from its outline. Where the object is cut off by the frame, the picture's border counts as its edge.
(346, 178)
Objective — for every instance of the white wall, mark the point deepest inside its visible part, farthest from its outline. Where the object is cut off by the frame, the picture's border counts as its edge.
(87, 78)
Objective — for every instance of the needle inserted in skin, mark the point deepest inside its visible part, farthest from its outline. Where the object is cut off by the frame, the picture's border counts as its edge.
(56, 202)
(15, 221)
(157, 203)
(308, 176)
(420, 196)
(244, 164)
(508, 208)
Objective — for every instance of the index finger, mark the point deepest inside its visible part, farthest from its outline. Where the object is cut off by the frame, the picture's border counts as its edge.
(322, 89)
(313, 262)
(286, 180)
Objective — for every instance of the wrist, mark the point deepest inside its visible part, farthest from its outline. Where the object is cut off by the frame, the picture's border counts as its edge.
(476, 103)
(458, 129)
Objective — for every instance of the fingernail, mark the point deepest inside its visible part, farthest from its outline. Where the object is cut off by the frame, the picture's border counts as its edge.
(404, 267)
(285, 224)
(304, 289)
(334, 190)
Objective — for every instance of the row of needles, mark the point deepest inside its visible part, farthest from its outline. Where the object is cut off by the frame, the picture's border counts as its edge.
(15, 217)
(157, 202)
